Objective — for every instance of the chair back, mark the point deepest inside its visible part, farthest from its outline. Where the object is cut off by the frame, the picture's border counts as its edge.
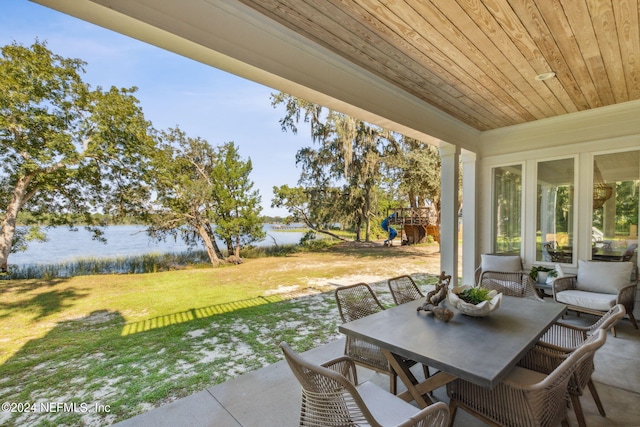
(357, 301)
(554, 253)
(610, 318)
(511, 284)
(504, 273)
(628, 253)
(548, 397)
(404, 289)
(328, 398)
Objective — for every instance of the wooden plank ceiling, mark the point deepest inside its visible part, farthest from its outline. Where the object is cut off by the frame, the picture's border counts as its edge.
(477, 59)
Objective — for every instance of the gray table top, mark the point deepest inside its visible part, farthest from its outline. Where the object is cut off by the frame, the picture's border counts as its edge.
(480, 350)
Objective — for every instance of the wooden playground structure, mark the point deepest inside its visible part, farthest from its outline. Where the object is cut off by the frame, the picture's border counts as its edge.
(414, 225)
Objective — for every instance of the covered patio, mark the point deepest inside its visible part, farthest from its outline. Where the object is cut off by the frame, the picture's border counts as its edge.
(536, 104)
(271, 396)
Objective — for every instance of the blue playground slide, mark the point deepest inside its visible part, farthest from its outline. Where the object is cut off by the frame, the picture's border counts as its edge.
(392, 231)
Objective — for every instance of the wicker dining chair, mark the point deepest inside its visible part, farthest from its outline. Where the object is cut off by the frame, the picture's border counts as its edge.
(525, 397)
(569, 336)
(404, 289)
(332, 397)
(628, 253)
(355, 302)
(559, 341)
(505, 274)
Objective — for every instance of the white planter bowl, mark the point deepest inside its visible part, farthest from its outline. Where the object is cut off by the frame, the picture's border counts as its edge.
(475, 310)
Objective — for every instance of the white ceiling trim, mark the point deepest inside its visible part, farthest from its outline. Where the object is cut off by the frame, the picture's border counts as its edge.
(604, 123)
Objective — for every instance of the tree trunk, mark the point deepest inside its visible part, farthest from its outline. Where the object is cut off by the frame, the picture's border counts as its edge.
(9, 223)
(413, 199)
(367, 229)
(206, 239)
(367, 226)
(327, 232)
(209, 231)
(236, 249)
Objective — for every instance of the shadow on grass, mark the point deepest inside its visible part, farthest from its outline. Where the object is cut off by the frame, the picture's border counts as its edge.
(44, 303)
(195, 313)
(91, 359)
(53, 365)
(23, 286)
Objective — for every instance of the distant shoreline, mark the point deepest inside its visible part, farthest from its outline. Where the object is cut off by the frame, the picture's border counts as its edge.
(63, 245)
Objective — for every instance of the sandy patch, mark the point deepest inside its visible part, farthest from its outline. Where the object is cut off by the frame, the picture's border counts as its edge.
(282, 290)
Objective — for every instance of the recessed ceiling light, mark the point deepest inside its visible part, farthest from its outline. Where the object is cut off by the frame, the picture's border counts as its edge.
(546, 76)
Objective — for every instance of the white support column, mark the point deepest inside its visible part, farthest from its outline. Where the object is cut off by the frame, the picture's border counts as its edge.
(449, 178)
(470, 235)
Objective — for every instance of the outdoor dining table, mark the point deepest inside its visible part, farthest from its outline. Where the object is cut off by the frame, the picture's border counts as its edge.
(481, 350)
(604, 254)
(565, 255)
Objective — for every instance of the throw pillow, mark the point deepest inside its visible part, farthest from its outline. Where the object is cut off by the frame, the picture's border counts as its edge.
(603, 277)
(503, 263)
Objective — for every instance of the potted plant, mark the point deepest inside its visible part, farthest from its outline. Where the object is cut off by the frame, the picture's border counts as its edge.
(539, 273)
(472, 301)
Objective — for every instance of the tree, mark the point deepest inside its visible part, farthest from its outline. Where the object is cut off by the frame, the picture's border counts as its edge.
(203, 192)
(362, 160)
(413, 168)
(184, 187)
(67, 151)
(349, 154)
(236, 204)
(316, 209)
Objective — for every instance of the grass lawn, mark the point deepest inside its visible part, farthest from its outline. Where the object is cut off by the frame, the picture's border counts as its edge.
(111, 346)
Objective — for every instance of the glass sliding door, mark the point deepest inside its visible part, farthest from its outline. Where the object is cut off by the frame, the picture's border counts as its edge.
(616, 182)
(555, 211)
(507, 209)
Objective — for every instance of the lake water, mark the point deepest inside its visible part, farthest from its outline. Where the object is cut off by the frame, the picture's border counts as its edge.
(122, 240)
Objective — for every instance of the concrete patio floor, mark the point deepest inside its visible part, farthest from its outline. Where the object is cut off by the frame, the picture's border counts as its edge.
(271, 396)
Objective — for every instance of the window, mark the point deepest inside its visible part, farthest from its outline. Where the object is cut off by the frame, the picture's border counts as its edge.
(554, 221)
(507, 209)
(616, 182)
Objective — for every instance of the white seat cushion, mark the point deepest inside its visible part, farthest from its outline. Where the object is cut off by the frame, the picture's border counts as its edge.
(386, 408)
(592, 300)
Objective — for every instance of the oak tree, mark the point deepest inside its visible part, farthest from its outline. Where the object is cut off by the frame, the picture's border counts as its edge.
(66, 150)
(349, 154)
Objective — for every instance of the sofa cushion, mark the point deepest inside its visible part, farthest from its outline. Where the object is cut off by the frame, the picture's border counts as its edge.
(505, 263)
(603, 277)
(592, 300)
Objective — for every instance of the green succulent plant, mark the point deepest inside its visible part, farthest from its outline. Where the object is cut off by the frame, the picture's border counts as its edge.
(474, 295)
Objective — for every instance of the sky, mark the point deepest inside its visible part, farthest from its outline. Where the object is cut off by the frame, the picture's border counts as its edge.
(173, 90)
